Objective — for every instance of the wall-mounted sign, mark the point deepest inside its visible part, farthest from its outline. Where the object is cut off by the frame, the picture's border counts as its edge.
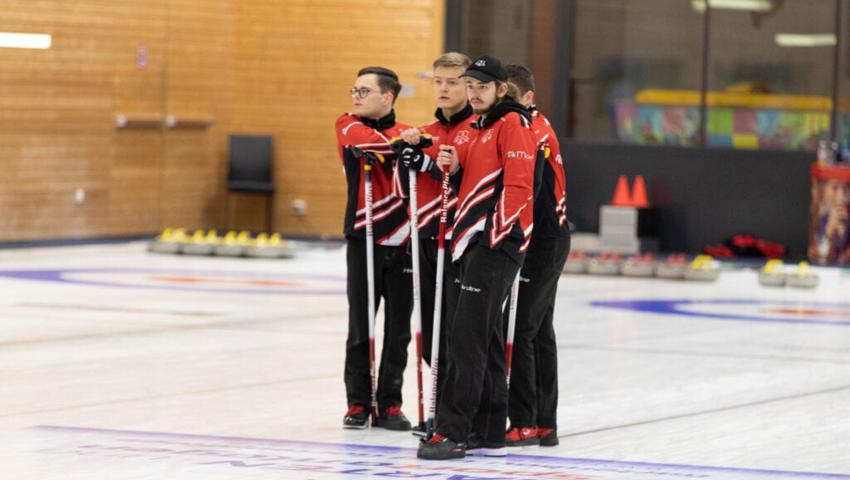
(142, 56)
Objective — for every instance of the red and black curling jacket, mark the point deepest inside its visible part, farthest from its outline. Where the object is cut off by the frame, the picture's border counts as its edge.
(389, 217)
(496, 188)
(550, 204)
(456, 131)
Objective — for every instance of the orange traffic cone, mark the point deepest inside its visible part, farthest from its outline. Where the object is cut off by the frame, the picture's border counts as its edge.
(639, 199)
(621, 193)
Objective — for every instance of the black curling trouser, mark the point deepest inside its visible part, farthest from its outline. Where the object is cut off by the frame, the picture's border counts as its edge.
(393, 284)
(533, 394)
(475, 395)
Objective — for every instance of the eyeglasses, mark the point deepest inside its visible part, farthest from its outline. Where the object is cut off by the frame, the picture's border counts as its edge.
(362, 92)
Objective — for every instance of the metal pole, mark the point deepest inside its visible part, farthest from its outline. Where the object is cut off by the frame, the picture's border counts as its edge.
(703, 89)
(834, 132)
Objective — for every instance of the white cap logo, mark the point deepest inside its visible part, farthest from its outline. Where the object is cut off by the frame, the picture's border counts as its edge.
(480, 63)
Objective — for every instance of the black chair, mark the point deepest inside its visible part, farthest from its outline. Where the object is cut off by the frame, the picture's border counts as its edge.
(250, 171)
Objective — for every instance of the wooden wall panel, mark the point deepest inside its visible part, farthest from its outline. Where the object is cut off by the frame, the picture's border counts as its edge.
(138, 91)
(250, 66)
(198, 87)
(293, 78)
(57, 119)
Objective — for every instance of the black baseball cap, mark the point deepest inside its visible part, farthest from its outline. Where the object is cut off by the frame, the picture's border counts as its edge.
(486, 69)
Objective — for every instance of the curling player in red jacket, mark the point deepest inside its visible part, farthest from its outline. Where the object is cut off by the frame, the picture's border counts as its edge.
(533, 396)
(368, 129)
(452, 127)
(491, 232)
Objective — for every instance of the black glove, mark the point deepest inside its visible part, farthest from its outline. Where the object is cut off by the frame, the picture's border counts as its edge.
(412, 157)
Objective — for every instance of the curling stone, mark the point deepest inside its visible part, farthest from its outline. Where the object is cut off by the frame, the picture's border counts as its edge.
(261, 248)
(576, 262)
(640, 265)
(604, 264)
(200, 244)
(703, 268)
(232, 245)
(772, 274)
(803, 277)
(269, 246)
(286, 249)
(673, 268)
(169, 241)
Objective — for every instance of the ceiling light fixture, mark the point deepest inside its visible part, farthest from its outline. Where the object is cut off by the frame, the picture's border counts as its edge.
(805, 39)
(748, 5)
(25, 40)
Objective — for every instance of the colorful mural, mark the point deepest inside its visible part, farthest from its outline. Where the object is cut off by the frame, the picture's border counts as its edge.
(669, 118)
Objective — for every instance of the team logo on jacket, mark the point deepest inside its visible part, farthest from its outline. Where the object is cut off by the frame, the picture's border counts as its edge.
(520, 154)
(461, 137)
(487, 136)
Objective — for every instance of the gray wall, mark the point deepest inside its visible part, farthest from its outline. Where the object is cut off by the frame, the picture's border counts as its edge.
(703, 195)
